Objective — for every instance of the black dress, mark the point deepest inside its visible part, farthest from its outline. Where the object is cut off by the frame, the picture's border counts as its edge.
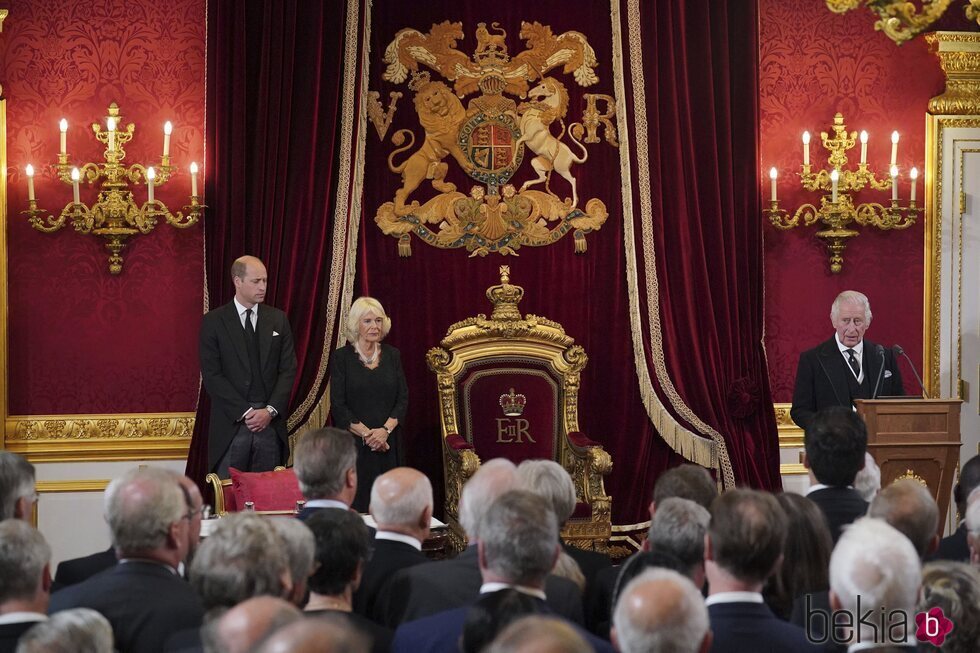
(359, 394)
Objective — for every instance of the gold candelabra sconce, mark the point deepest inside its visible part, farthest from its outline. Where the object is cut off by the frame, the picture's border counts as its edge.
(837, 211)
(115, 215)
(902, 20)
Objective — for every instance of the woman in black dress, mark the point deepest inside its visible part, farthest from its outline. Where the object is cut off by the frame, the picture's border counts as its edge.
(368, 394)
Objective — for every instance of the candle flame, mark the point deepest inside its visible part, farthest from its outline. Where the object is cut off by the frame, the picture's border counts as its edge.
(75, 174)
(29, 170)
(864, 137)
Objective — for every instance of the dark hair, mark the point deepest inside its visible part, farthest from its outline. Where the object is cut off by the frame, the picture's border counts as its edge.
(492, 613)
(687, 481)
(637, 564)
(835, 443)
(342, 542)
(748, 532)
(969, 481)
(808, 545)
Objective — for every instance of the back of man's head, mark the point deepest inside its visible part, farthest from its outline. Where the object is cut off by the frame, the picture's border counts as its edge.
(241, 558)
(322, 461)
(874, 564)
(687, 481)
(747, 533)
(969, 480)
(909, 507)
(141, 506)
(248, 624)
(519, 539)
(677, 528)
(24, 573)
(342, 545)
(324, 634)
(400, 498)
(549, 480)
(835, 443)
(491, 480)
(538, 634)
(16, 484)
(300, 549)
(661, 610)
(79, 630)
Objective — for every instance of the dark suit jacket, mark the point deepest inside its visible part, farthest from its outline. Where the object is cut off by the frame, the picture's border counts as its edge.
(226, 371)
(841, 506)
(78, 569)
(433, 587)
(592, 563)
(824, 379)
(144, 602)
(742, 627)
(955, 547)
(10, 634)
(388, 557)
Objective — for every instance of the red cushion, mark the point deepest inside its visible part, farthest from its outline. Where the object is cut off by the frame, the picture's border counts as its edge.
(267, 490)
(231, 503)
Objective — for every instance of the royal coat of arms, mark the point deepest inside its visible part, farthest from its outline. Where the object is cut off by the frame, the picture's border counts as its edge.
(514, 112)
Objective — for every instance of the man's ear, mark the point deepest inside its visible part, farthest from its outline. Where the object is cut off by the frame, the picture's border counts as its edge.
(706, 642)
(358, 574)
(425, 519)
(22, 508)
(652, 508)
(834, 602)
(351, 477)
(613, 638)
(709, 553)
(646, 546)
(481, 555)
(46, 578)
(933, 545)
(806, 460)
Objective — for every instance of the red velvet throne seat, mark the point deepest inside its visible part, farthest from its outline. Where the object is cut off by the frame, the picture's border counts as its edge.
(508, 388)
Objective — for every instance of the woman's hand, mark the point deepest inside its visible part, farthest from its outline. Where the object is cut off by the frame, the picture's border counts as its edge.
(377, 439)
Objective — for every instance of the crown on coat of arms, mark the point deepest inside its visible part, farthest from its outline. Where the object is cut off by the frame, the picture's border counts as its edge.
(513, 403)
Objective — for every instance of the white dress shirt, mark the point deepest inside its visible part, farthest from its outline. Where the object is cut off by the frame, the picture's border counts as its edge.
(399, 537)
(241, 314)
(858, 354)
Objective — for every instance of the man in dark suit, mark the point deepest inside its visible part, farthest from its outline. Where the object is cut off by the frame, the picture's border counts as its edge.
(432, 587)
(401, 504)
(846, 367)
(743, 548)
(518, 547)
(955, 546)
(143, 596)
(248, 366)
(74, 571)
(25, 581)
(325, 462)
(834, 443)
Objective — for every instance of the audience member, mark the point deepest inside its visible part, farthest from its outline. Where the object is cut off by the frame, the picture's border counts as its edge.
(687, 481)
(300, 549)
(567, 568)
(342, 547)
(807, 555)
(955, 546)
(244, 627)
(743, 548)
(867, 481)
(325, 462)
(954, 587)
(492, 613)
(874, 570)
(25, 581)
(432, 587)
(835, 443)
(539, 634)
(17, 492)
(143, 597)
(315, 635)
(74, 571)
(661, 611)
(908, 506)
(401, 504)
(80, 630)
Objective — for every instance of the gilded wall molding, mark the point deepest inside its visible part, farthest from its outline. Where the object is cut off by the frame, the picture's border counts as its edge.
(3, 259)
(790, 435)
(959, 57)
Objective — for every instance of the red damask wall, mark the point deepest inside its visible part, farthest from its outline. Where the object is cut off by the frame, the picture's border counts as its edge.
(81, 340)
(814, 63)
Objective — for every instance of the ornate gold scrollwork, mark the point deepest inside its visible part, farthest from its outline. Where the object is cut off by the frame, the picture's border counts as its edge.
(379, 117)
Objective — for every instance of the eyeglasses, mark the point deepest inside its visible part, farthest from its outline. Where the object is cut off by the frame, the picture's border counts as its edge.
(204, 511)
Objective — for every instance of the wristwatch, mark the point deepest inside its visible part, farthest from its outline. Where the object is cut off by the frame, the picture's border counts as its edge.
(272, 411)
(387, 430)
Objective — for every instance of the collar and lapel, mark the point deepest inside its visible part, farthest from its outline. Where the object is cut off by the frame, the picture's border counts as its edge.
(233, 325)
(837, 370)
(265, 333)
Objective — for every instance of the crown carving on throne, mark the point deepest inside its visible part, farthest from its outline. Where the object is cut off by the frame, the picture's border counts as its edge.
(513, 403)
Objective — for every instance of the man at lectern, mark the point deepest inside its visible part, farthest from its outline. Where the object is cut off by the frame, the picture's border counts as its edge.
(845, 367)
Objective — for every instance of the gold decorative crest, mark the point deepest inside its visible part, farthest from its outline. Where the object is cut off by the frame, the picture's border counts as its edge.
(488, 138)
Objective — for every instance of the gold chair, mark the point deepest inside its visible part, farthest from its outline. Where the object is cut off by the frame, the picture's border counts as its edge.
(508, 387)
(225, 500)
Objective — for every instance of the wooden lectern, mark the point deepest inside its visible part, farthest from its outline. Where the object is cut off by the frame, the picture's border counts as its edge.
(915, 438)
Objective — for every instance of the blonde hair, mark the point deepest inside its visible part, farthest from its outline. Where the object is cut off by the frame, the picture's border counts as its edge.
(361, 306)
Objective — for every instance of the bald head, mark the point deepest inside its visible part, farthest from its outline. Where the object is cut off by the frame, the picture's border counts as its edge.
(251, 621)
(321, 634)
(401, 502)
(909, 507)
(495, 477)
(250, 278)
(661, 610)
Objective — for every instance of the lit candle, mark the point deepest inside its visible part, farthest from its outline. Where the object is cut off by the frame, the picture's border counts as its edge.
(772, 176)
(75, 175)
(894, 172)
(167, 129)
(30, 182)
(194, 179)
(914, 174)
(150, 176)
(864, 146)
(894, 147)
(63, 125)
(112, 133)
(806, 148)
(834, 176)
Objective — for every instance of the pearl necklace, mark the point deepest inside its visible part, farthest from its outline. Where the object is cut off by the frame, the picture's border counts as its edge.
(365, 359)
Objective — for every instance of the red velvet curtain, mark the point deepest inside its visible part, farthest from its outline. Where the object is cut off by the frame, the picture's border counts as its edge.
(275, 77)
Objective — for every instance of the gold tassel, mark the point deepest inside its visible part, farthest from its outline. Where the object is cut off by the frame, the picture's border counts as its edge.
(405, 246)
(580, 244)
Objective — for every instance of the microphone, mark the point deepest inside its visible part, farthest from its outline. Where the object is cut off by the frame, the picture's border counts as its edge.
(901, 352)
(880, 350)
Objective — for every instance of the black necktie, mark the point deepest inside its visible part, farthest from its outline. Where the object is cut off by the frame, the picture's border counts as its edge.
(249, 329)
(853, 362)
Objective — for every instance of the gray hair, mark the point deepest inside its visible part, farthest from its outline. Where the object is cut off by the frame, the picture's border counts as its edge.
(519, 535)
(954, 587)
(361, 306)
(243, 557)
(536, 633)
(300, 546)
(973, 517)
(908, 506)
(140, 507)
(404, 509)
(873, 561)
(552, 482)
(867, 482)
(321, 460)
(851, 297)
(492, 479)
(23, 556)
(678, 527)
(669, 616)
(79, 630)
(16, 482)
